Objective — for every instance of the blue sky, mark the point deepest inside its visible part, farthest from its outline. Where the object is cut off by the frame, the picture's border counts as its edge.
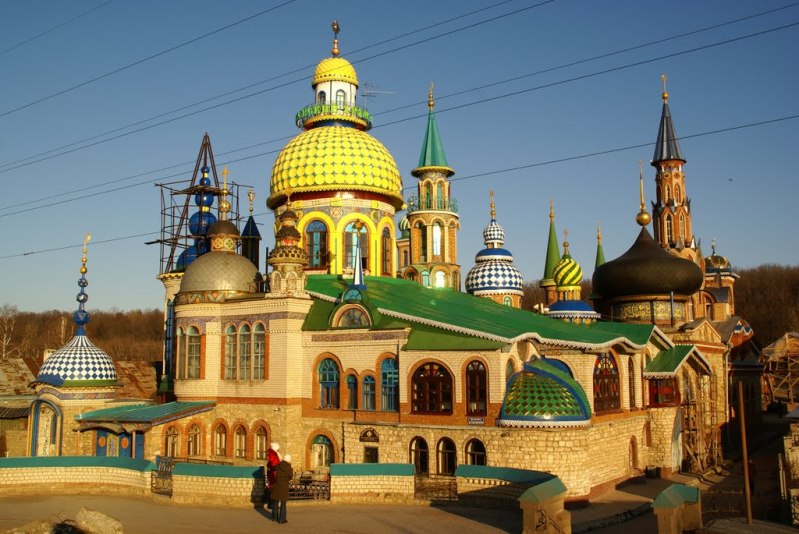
(740, 182)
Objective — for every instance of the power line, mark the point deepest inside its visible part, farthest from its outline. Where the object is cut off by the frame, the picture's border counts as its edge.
(262, 91)
(453, 108)
(54, 28)
(245, 87)
(143, 60)
(479, 175)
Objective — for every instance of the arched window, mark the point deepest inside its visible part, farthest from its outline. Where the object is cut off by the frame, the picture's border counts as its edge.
(171, 442)
(669, 230)
(261, 442)
(683, 229)
(351, 240)
(436, 239)
(322, 98)
(404, 258)
(328, 383)
(220, 440)
(240, 442)
(667, 194)
(428, 196)
(507, 301)
(368, 393)
(422, 241)
(631, 372)
(420, 456)
(353, 317)
(389, 385)
(475, 452)
(425, 279)
(446, 456)
(321, 451)
(440, 279)
(442, 200)
(230, 353)
(180, 356)
(194, 440)
(432, 390)
(677, 194)
(475, 388)
(316, 244)
(606, 384)
(352, 392)
(258, 351)
(341, 98)
(509, 370)
(244, 351)
(387, 259)
(193, 352)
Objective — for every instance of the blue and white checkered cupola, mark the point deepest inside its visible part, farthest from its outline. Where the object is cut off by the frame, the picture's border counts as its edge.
(493, 272)
(79, 363)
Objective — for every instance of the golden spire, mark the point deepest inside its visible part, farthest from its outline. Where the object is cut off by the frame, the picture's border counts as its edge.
(336, 29)
(551, 211)
(565, 241)
(251, 198)
(665, 93)
(430, 102)
(643, 217)
(493, 206)
(224, 205)
(598, 233)
(88, 238)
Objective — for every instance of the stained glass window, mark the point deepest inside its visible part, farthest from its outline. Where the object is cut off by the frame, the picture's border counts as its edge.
(606, 384)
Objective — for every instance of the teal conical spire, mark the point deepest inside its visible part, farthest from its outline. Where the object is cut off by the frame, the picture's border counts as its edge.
(600, 254)
(553, 251)
(432, 150)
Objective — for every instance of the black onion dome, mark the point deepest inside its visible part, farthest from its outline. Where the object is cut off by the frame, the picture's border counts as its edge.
(646, 269)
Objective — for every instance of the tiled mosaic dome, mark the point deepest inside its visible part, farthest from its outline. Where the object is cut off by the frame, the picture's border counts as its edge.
(493, 272)
(335, 69)
(493, 233)
(567, 272)
(78, 363)
(335, 158)
(540, 395)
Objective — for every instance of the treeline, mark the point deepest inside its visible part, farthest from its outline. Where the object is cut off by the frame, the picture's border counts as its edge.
(123, 335)
(768, 297)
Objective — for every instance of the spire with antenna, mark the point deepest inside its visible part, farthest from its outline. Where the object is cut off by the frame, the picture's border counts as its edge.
(81, 316)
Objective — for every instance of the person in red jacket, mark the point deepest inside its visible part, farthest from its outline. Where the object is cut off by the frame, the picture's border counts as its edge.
(272, 460)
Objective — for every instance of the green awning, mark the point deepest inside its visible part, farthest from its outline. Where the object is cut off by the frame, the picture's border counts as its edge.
(145, 415)
(666, 363)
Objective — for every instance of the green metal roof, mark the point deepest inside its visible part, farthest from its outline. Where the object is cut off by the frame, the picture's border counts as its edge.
(153, 414)
(423, 337)
(666, 363)
(432, 150)
(465, 314)
(675, 496)
(553, 255)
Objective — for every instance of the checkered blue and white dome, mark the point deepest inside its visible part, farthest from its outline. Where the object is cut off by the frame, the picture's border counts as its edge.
(494, 272)
(493, 233)
(78, 363)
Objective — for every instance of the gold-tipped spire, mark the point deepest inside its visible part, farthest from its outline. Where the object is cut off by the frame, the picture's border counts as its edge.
(643, 217)
(551, 210)
(665, 93)
(251, 198)
(565, 241)
(430, 102)
(224, 205)
(493, 206)
(86, 240)
(336, 29)
(598, 233)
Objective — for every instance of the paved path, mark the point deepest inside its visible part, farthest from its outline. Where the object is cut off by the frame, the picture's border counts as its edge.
(145, 516)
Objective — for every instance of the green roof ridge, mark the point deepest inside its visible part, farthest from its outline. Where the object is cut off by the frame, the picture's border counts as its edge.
(432, 150)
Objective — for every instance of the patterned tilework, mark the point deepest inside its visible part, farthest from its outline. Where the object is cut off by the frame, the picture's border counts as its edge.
(567, 272)
(335, 158)
(78, 360)
(493, 233)
(335, 69)
(493, 274)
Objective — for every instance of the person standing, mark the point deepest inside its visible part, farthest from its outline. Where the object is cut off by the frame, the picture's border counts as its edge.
(280, 490)
(272, 459)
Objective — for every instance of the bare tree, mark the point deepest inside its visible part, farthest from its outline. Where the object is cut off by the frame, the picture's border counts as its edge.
(9, 347)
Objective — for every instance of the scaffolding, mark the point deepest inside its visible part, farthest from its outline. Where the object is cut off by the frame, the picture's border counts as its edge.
(781, 368)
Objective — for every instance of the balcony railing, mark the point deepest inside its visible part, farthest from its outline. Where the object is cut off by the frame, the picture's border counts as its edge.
(424, 204)
(314, 112)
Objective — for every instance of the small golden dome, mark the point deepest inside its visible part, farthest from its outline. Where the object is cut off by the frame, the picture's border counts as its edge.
(335, 158)
(335, 69)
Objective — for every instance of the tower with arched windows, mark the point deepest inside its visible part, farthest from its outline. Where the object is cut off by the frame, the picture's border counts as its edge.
(429, 253)
(342, 183)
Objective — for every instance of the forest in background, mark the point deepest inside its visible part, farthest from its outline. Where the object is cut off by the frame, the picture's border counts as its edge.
(767, 296)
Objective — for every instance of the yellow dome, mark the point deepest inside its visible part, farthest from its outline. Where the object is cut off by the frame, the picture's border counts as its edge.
(335, 158)
(335, 69)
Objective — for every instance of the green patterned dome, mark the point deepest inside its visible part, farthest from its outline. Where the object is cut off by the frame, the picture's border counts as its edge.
(567, 272)
(541, 395)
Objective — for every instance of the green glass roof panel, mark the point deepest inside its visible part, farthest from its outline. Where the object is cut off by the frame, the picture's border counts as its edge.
(145, 413)
(668, 361)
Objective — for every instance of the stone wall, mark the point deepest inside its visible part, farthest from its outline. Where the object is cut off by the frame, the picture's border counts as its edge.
(370, 483)
(16, 443)
(203, 487)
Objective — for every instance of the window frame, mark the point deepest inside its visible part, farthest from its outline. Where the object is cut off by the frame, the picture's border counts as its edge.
(389, 385)
(329, 384)
(316, 244)
(476, 388)
(431, 387)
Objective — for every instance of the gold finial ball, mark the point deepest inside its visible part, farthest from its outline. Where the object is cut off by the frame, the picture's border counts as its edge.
(224, 206)
(643, 218)
(83, 270)
(665, 96)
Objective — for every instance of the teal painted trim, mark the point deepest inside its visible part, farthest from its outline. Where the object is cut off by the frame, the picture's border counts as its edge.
(543, 492)
(508, 474)
(675, 496)
(218, 471)
(135, 464)
(371, 470)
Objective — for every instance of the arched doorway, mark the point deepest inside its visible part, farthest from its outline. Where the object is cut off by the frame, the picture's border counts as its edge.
(420, 456)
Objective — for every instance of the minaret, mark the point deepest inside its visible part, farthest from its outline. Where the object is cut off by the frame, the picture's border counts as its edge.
(432, 215)
(553, 256)
(287, 259)
(251, 237)
(671, 210)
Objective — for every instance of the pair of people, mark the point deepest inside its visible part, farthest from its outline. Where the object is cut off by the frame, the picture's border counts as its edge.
(278, 475)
